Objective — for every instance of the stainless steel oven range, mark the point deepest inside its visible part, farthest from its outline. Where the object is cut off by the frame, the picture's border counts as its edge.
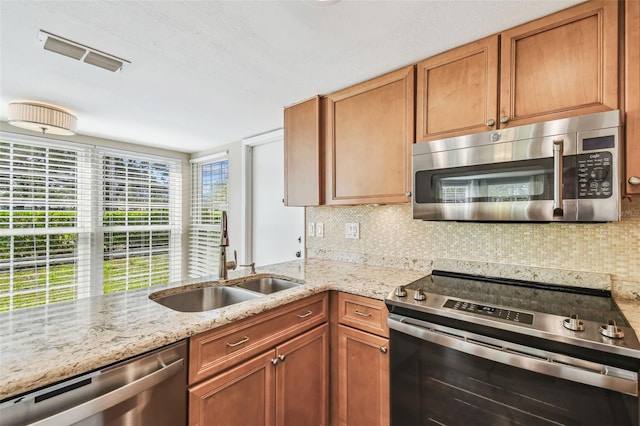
(475, 350)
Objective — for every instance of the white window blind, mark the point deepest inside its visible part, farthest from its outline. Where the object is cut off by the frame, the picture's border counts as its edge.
(209, 182)
(141, 220)
(43, 233)
(77, 220)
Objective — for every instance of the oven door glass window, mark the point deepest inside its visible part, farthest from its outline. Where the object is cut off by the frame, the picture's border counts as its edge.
(436, 385)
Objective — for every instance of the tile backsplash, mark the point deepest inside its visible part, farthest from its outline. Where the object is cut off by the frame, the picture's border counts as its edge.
(389, 236)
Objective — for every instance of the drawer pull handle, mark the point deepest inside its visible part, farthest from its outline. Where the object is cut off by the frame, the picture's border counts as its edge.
(362, 314)
(383, 349)
(245, 339)
(305, 315)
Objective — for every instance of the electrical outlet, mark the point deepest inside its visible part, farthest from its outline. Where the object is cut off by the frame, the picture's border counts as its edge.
(311, 229)
(352, 230)
(319, 230)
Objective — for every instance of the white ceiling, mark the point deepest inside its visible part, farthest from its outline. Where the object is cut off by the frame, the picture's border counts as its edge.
(207, 73)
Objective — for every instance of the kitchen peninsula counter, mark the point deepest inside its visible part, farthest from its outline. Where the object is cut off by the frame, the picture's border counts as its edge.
(43, 345)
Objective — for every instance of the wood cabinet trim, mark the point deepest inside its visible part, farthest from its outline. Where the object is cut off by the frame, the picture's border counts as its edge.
(269, 328)
(632, 94)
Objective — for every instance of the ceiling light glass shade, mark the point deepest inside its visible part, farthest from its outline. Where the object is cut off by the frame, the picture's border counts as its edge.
(42, 118)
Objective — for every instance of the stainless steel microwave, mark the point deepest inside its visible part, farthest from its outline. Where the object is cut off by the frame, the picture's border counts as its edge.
(565, 170)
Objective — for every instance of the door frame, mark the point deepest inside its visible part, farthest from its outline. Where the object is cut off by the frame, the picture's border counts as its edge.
(247, 190)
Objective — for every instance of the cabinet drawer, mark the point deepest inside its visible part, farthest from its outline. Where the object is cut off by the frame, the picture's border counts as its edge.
(216, 350)
(363, 313)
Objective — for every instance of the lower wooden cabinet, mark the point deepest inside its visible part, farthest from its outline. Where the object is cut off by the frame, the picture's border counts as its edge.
(287, 385)
(363, 378)
(244, 395)
(361, 365)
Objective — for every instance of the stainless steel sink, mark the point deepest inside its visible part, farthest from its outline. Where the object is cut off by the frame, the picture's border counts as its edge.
(205, 298)
(267, 285)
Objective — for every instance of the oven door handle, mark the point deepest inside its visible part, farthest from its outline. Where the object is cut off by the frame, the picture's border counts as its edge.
(543, 362)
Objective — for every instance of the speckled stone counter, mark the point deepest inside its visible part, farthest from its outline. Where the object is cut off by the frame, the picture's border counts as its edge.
(43, 345)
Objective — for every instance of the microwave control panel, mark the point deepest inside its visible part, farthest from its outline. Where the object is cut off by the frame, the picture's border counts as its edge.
(594, 175)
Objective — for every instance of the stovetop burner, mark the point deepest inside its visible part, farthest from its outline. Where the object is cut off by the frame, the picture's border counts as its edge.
(573, 315)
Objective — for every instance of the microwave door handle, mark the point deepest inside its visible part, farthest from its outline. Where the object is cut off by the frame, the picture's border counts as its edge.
(558, 150)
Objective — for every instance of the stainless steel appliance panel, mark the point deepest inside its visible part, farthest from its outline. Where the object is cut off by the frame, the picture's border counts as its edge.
(150, 389)
(564, 170)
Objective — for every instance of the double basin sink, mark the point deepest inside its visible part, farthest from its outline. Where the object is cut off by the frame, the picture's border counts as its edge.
(213, 297)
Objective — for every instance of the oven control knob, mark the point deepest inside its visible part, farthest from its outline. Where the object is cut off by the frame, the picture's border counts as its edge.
(400, 291)
(419, 295)
(573, 323)
(611, 330)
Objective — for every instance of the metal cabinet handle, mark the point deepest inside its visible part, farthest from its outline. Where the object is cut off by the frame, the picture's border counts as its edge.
(407, 194)
(383, 349)
(634, 180)
(504, 119)
(305, 315)
(491, 122)
(245, 339)
(362, 314)
(281, 357)
(274, 361)
(558, 150)
(103, 402)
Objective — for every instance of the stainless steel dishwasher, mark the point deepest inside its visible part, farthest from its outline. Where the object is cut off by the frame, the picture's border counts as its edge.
(149, 389)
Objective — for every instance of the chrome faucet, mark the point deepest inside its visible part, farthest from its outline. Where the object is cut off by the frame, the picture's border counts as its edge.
(224, 266)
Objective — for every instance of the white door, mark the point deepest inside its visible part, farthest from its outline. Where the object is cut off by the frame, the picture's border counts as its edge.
(278, 231)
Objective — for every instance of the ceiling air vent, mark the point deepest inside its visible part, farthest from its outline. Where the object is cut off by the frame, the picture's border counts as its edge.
(86, 54)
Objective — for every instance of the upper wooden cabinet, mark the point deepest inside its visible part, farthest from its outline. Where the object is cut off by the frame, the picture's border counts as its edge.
(562, 65)
(302, 154)
(370, 131)
(457, 91)
(632, 96)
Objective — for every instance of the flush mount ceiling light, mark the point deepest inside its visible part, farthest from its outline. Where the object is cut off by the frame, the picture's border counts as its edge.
(80, 52)
(42, 118)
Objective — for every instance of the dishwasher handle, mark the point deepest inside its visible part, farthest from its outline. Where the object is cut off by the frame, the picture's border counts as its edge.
(116, 396)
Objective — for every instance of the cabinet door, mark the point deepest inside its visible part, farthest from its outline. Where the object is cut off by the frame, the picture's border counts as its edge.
(370, 130)
(302, 161)
(244, 395)
(302, 380)
(562, 65)
(363, 378)
(632, 98)
(457, 91)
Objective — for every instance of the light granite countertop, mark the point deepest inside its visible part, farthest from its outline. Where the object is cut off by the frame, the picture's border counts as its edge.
(42, 345)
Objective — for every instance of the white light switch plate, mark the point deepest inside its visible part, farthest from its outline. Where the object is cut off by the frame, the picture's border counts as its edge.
(311, 229)
(319, 230)
(352, 230)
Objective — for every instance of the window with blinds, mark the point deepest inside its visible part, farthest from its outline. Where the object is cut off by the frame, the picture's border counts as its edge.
(141, 221)
(77, 221)
(209, 182)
